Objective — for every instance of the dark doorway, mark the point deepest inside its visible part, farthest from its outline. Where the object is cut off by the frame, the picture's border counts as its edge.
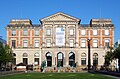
(72, 59)
(49, 59)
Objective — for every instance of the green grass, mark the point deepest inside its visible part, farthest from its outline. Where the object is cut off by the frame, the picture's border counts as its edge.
(56, 76)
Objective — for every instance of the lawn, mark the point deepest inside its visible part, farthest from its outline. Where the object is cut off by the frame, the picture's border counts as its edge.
(56, 76)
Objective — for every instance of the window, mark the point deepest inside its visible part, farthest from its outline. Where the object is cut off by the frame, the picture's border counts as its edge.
(48, 32)
(25, 55)
(36, 43)
(48, 42)
(95, 43)
(36, 55)
(71, 43)
(25, 61)
(107, 43)
(14, 43)
(83, 43)
(95, 32)
(36, 32)
(83, 59)
(71, 31)
(36, 60)
(106, 32)
(13, 32)
(25, 43)
(95, 59)
(83, 32)
(25, 32)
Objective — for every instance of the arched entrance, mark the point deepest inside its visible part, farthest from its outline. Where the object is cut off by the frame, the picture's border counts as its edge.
(60, 59)
(49, 59)
(71, 59)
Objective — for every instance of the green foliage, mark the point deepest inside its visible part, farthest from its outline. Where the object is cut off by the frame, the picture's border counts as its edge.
(109, 56)
(5, 54)
(117, 52)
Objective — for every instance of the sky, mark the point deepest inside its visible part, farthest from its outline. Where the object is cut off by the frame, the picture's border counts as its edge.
(38, 9)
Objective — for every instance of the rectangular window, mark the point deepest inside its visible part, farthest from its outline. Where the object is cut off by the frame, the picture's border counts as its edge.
(14, 43)
(25, 43)
(71, 43)
(83, 61)
(107, 43)
(83, 43)
(48, 42)
(106, 32)
(36, 32)
(83, 32)
(48, 32)
(25, 33)
(36, 60)
(95, 43)
(36, 43)
(25, 61)
(71, 31)
(95, 32)
(13, 32)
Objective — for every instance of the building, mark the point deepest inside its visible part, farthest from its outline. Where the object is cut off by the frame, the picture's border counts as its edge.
(60, 39)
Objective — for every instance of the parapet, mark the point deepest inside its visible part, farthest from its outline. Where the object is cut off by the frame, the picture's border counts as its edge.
(20, 22)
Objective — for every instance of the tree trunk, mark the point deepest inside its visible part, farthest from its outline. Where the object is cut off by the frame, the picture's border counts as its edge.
(119, 64)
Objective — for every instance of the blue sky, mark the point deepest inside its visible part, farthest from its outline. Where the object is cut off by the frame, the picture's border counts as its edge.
(38, 9)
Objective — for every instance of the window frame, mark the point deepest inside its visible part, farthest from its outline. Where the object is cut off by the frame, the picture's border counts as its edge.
(37, 32)
(48, 32)
(83, 32)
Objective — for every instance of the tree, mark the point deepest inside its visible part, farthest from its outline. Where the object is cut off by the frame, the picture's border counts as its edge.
(2, 54)
(117, 55)
(5, 54)
(109, 57)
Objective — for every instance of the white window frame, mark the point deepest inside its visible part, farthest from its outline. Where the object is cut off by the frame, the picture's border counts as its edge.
(25, 32)
(83, 32)
(48, 42)
(36, 32)
(83, 43)
(48, 31)
(13, 32)
(25, 43)
(107, 32)
(95, 43)
(36, 43)
(71, 31)
(71, 43)
(95, 32)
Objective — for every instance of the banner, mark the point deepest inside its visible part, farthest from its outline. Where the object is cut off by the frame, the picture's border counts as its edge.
(60, 36)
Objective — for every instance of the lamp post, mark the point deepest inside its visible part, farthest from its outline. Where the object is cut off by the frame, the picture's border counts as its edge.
(89, 60)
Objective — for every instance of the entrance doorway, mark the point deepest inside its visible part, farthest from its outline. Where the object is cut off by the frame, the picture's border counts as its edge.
(49, 59)
(72, 59)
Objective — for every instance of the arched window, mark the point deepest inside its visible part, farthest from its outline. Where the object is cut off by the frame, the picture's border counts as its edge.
(83, 59)
(25, 59)
(25, 55)
(36, 59)
(60, 59)
(95, 59)
(36, 54)
(72, 59)
(14, 55)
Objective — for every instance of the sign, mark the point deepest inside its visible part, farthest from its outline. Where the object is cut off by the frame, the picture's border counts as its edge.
(60, 36)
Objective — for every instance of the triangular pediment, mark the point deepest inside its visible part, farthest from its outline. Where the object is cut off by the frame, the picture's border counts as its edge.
(60, 17)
